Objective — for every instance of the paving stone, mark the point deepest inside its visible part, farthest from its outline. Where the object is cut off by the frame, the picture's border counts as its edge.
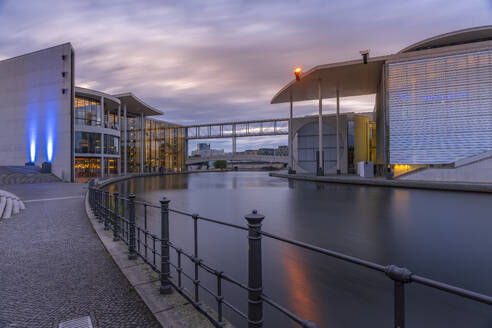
(54, 267)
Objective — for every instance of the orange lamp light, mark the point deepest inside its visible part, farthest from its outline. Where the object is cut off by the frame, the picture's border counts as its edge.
(297, 72)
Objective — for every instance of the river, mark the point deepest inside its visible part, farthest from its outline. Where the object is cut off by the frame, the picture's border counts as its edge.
(444, 236)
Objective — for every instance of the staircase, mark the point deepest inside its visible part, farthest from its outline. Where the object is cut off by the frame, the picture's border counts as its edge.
(10, 204)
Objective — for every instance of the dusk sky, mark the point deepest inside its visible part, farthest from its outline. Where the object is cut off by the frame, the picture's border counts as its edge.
(209, 61)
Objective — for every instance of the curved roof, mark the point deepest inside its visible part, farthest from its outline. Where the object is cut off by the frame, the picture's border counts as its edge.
(351, 78)
(474, 34)
(136, 105)
(96, 94)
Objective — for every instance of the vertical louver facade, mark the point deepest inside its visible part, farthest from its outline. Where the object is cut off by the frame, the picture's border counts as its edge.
(440, 109)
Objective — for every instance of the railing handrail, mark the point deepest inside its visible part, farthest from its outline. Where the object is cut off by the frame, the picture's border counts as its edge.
(399, 275)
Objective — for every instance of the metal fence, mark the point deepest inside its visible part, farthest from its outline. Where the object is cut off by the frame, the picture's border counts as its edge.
(117, 212)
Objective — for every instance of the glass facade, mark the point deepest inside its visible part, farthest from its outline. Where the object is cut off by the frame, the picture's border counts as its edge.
(439, 109)
(164, 147)
(87, 142)
(87, 168)
(110, 166)
(163, 142)
(111, 145)
(87, 111)
(133, 144)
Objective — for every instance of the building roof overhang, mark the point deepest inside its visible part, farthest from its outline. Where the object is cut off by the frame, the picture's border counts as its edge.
(94, 94)
(469, 35)
(351, 78)
(136, 106)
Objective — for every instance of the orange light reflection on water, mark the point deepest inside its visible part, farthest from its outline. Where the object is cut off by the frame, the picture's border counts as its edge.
(300, 286)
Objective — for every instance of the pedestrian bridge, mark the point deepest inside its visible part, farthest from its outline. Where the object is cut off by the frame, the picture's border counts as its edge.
(239, 158)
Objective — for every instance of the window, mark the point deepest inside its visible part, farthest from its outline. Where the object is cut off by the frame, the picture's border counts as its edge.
(87, 168)
(87, 142)
(87, 111)
(111, 145)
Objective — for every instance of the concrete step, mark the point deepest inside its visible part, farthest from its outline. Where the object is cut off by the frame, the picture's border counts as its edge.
(3, 203)
(10, 204)
(7, 213)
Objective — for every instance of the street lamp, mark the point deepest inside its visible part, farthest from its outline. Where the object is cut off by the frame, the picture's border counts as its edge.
(297, 72)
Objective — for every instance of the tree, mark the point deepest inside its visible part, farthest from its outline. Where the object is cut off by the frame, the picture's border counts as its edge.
(220, 164)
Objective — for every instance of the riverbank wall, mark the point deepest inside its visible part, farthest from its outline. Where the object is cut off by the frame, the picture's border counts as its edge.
(381, 182)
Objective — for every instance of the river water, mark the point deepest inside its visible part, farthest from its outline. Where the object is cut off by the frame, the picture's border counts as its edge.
(444, 236)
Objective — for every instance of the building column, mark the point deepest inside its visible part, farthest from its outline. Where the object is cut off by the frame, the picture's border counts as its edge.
(103, 113)
(338, 132)
(320, 169)
(102, 156)
(290, 142)
(120, 161)
(142, 142)
(185, 148)
(234, 140)
(125, 138)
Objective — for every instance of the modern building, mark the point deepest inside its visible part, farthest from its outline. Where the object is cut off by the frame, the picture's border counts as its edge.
(204, 150)
(81, 133)
(433, 110)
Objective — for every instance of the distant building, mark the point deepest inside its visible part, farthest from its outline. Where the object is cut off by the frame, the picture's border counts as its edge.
(266, 151)
(282, 151)
(202, 146)
(251, 152)
(204, 150)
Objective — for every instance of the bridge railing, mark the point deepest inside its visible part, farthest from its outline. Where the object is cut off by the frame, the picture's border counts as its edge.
(118, 214)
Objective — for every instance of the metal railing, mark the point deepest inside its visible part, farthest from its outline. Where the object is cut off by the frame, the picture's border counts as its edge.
(118, 214)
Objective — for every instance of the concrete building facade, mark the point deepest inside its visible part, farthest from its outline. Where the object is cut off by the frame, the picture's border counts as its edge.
(80, 133)
(433, 104)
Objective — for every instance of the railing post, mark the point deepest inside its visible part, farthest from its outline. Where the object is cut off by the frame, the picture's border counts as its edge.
(165, 285)
(399, 304)
(106, 210)
(116, 217)
(99, 206)
(132, 255)
(255, 284)
(196, 281)
(400, 276)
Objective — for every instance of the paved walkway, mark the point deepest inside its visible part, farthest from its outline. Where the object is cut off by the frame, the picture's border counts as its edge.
(54, 268)
(24, 174)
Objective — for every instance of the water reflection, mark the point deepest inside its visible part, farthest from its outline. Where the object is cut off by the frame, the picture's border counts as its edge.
(442, 235)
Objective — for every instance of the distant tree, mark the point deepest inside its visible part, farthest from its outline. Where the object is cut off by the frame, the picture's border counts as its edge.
(220, 164)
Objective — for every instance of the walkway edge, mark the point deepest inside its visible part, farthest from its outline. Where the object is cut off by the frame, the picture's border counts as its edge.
(412, 184)
(171, 311)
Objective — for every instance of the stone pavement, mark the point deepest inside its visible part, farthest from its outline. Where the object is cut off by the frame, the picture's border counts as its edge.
(24, 174)
(54, 268)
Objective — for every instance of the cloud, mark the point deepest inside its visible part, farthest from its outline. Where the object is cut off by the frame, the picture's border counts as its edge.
(218, 60)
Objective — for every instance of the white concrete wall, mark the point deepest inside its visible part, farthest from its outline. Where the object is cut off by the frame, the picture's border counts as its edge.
(305, 143)
(479, 171)
(33, 108)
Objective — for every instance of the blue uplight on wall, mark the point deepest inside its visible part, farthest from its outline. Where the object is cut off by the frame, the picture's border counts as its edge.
(32, 133)
(50, 133)
(32, 151)
(49, 150)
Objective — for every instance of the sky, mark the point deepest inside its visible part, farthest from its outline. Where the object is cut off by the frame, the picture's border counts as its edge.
(213, 60)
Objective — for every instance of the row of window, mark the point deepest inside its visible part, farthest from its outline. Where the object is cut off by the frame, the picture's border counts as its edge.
(90, 143)
(89, 112)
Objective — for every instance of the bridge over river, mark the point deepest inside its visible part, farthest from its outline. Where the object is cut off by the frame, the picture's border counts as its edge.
(239, 158)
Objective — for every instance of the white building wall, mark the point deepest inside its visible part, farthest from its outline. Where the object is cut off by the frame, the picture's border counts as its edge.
(479, 171)
(440, 109)
(34, 111)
